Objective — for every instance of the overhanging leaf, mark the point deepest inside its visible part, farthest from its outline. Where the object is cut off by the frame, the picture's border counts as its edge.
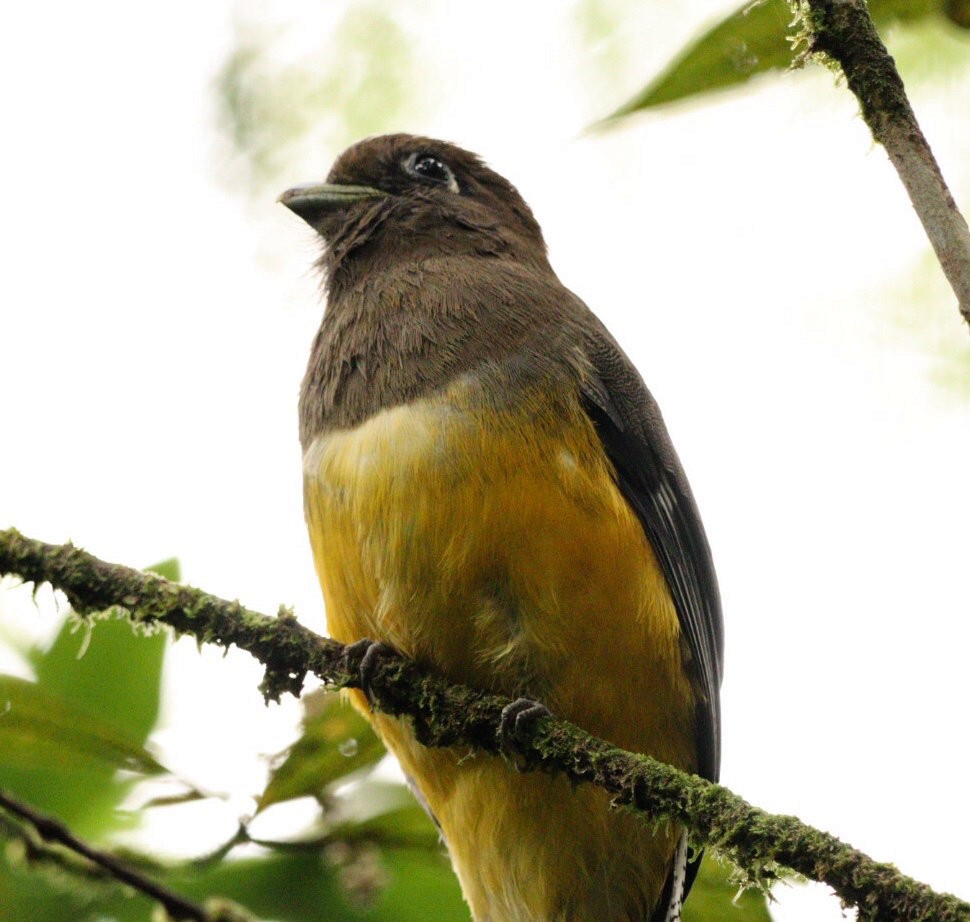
(751, 40)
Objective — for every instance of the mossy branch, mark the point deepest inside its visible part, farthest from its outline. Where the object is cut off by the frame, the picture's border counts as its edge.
(843, 31)
(446, 715)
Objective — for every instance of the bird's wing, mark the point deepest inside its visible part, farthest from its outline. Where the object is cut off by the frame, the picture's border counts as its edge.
(650, 477)
(653, 482)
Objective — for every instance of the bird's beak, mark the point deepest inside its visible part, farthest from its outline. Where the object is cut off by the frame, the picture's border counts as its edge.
(314, 200)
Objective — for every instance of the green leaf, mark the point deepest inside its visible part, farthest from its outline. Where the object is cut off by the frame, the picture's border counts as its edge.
(169, 569)
(114, 672)
(399, 821)
(280, 107)
(336, 741)
(98, 688)
(958, 12)
(365, 886)
(752, 40)
(407, 827)
(39, 730)
(43, 891)
(712, 898)
(422, 886)
(64, 760)
(389, 885)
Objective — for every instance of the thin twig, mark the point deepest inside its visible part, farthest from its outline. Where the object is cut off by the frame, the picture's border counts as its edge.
(53, 830)
(843, 31)
(446, 715)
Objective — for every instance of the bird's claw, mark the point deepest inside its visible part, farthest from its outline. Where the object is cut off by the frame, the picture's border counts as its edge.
(372, 651)
(518, 719)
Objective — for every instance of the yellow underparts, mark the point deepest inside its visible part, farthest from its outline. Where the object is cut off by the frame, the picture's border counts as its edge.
(495, 547)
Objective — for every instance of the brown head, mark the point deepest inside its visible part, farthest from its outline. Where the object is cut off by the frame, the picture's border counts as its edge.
(434, 264)
(399, 196)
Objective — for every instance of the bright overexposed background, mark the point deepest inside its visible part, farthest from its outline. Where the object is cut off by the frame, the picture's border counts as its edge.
(754, 253)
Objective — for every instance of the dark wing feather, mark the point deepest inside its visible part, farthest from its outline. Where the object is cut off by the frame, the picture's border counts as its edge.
(653, 482)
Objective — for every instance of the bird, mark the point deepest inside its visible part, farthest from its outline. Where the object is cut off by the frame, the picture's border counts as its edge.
(490, 490)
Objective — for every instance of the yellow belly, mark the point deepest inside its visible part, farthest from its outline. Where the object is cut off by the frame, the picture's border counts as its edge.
(495, 547)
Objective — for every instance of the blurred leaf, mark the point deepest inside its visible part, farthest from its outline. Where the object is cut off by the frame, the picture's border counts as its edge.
(40, 891)
(712, 898)
(931, 49)
(169, 569)
(385, 813)
(39, 730)
(282, 104)
(83, 718)
(336, 741)
(751, 40)
(958, 12)
(392, 885)
(296, 886)
(115, 673)
(408, 826)
(918, 302)
(422, 886)
(64, 760)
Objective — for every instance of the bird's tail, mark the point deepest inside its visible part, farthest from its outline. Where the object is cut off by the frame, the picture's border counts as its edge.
(678, 875)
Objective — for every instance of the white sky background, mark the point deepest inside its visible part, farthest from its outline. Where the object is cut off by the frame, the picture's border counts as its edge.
(753, 255)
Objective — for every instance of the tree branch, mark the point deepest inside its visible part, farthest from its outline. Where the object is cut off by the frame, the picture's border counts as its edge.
(177, 907)
(445, 715)
(843, 31)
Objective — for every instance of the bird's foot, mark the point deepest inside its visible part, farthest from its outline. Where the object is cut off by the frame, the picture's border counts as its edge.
(515, 726)
(372, 651)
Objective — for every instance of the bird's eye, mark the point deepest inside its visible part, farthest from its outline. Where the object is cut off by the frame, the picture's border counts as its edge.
(431, 168)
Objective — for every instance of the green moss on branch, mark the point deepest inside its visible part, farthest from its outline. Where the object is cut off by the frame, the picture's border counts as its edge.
(446, 715)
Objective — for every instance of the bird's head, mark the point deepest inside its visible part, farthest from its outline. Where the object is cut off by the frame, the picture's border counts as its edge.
(400, 197)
